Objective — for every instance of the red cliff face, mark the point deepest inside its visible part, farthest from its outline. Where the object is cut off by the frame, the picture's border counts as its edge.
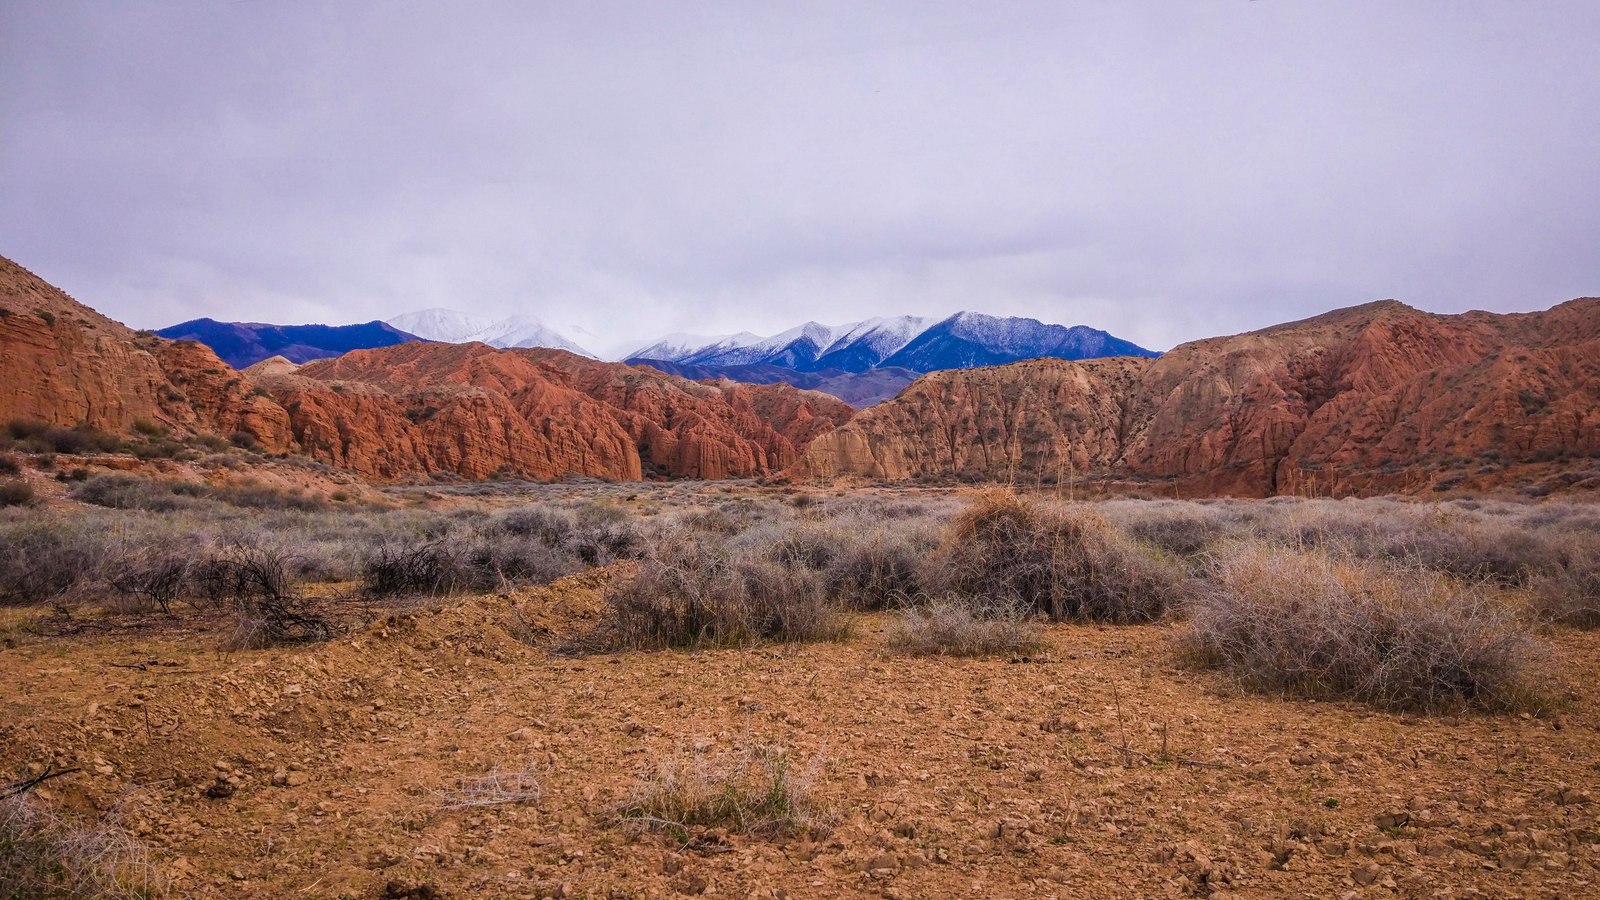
(538, 413)
(401, 412)
(1372, 398)
(65, 364)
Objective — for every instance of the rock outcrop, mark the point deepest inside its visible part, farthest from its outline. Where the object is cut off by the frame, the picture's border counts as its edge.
(65, 364)
(478, 411)
(403, 411)
(1371, 398)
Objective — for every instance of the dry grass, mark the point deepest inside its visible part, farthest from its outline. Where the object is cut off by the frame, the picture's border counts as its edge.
(951, 627)
(687, 594)
(1061, 561)
(756, 792)
(44, 855)
(498, 788)
(1310, 624)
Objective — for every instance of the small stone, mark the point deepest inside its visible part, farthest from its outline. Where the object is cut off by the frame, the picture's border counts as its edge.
(1391, 820)
(1366, 874)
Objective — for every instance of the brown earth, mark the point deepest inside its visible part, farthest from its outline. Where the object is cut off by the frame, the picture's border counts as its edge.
(1362, 400)
(986, 778)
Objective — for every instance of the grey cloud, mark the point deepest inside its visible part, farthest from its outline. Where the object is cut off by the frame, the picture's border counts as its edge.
(1165, 171)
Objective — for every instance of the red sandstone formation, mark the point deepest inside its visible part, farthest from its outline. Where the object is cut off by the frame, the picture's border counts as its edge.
(1371, 398)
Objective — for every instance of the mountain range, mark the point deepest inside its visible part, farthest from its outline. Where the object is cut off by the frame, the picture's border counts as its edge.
(455, 327)
(860, 362)
(244, 343)
(1368, 399)
(917, 344)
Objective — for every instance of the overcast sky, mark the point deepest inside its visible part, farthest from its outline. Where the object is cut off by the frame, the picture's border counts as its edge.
(1165, 170)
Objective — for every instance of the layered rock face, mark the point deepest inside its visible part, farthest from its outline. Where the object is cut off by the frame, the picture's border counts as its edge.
(65, 364)
(538, 413)
(402, 411)
(1370, 398)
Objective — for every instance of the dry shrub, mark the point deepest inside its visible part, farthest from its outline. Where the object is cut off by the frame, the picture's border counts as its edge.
(44, 855)
(1314, 625)
(45, 560)
(950, 627)
(550, 527)
(687, 595)
(447, 565)
(877, 568)
(1568, 592)
(120, 491)
(497, 560)
(158, 573)
(429, 568)
(756, 792)
(1065, 562)
(253, 578)
(15, 492)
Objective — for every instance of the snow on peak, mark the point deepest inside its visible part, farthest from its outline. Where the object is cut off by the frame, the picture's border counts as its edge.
(453, 326)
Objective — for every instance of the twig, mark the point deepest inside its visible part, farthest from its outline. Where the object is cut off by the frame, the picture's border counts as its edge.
(18, 788)
(1180, 760)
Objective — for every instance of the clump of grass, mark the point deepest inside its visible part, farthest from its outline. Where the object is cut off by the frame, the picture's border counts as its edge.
(15, 492)
(756, 792)
(1568, 592)
(498, 788)
(44, 855)
(45, 559)
(1313, 625)
(1064, 562)
(687, 594)
(948, 627)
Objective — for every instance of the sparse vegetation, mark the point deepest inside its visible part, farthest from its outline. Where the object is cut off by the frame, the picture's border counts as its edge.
(950, 627)
(1064, 562)
(45, 855)
(756, 792)
(1309, 624)
(497, 788)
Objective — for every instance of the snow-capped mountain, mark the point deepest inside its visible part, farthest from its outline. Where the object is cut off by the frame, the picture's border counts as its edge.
(969, 339)
(448, 325)
(457, 327)
(678, 346)
(867, 344)
(963, 340)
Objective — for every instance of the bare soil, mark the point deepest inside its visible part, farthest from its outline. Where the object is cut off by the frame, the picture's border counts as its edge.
(1102, 768)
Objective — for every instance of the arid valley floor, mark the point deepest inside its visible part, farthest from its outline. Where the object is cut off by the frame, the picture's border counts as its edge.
(510, 742)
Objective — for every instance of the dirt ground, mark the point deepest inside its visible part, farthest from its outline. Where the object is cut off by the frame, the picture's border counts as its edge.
(322, 771)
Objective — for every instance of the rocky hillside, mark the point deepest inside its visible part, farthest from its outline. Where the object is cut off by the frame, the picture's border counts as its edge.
(403, 411)
(65, 364)
(859, 389)
(1371, 398)
(538, 413)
